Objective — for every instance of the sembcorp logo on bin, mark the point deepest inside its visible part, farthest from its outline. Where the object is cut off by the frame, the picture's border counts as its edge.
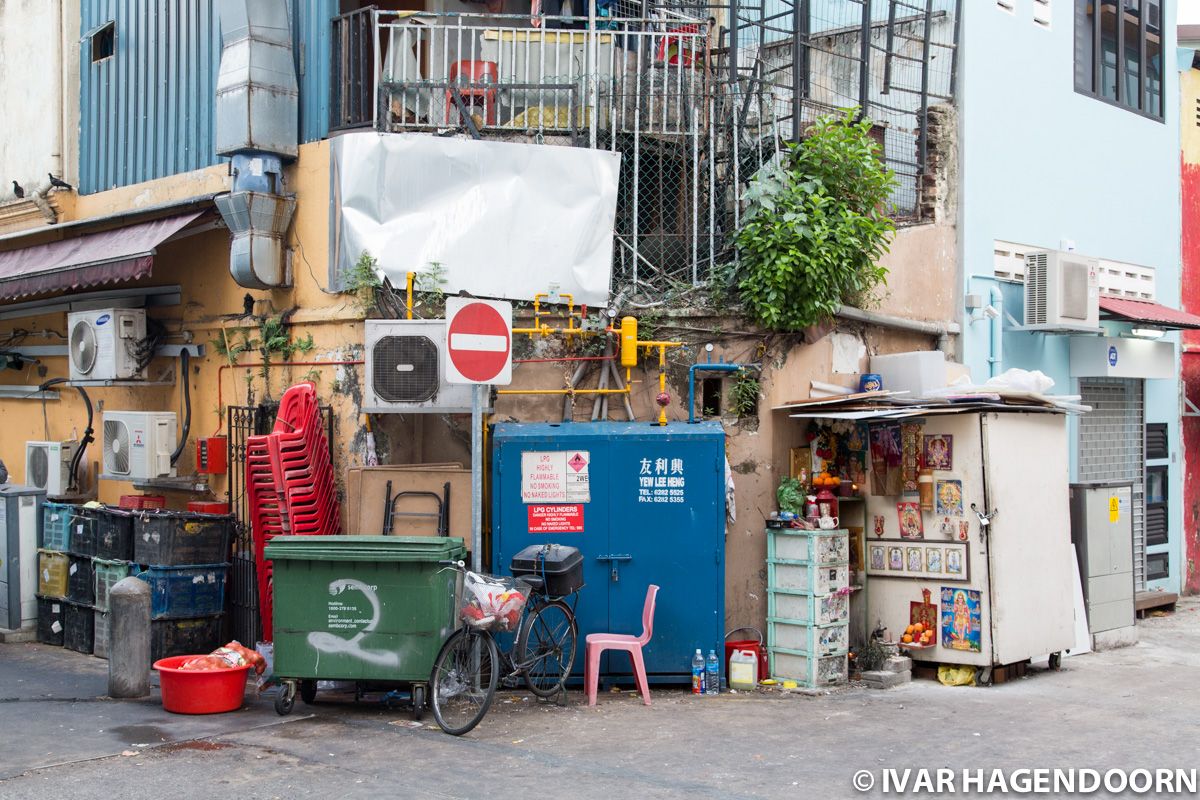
(346, 615)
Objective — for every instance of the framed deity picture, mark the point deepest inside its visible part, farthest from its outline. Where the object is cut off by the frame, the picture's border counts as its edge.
(933, 559)
(939, 451)
(911, 525)
(949, 498)
(800, 466)
(878, 559)
(914, 560)
(901, 558)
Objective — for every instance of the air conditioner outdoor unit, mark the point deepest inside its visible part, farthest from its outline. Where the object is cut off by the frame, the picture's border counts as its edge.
(404, 369)
(1062, 291)
(138, 445)
(48, 465)
(103, 343)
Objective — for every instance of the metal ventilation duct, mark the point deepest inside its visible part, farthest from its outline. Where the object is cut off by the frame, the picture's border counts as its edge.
(258, 222)
(258, 99)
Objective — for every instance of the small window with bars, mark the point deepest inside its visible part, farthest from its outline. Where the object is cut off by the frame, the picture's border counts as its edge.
(1156, 441)
(1156, 506)
(1158, 566)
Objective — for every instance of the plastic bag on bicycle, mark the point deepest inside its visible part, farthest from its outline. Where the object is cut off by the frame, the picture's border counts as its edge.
(492, 602)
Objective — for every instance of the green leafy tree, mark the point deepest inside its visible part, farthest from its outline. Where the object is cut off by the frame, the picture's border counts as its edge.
(816, 227)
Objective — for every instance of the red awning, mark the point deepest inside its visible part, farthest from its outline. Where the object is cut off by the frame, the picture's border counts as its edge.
(1144, 312)
(92, 259)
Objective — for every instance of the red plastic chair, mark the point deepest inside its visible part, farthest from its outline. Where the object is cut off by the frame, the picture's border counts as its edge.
(597, 643)
(477, 72)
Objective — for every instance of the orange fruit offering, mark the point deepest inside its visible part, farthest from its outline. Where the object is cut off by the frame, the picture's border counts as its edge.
(918, 627)
(906, 638)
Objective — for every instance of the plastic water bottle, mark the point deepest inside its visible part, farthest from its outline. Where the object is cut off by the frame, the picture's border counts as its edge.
(698, 672)
(712, 669)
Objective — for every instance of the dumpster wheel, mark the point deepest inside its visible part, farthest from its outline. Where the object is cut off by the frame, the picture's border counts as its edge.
(418, 701)
(285, 701)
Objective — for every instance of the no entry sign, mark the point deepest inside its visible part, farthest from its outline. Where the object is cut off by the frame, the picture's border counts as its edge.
(478, 341)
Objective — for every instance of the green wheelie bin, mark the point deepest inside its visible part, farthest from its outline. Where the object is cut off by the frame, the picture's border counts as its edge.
(370, 609)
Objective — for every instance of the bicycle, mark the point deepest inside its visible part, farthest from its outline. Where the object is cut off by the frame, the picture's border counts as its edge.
(467, 670)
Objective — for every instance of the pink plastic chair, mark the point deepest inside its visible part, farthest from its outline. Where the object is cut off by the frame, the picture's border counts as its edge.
(597, 643)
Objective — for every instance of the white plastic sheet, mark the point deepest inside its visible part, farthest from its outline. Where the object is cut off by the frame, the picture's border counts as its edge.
(502, 219)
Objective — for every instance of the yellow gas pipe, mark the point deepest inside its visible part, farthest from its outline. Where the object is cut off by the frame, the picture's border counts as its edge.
(408, 280)
(629, 357)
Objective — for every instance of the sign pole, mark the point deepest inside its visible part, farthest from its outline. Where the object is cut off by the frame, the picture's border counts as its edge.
(479, 353)
(477, 475)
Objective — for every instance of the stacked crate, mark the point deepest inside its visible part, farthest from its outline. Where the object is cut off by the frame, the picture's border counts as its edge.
(53, 565)
(184, 557)
(808, 605)
(84, 552)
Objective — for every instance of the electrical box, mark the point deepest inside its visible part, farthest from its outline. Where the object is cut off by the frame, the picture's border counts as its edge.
(212, 455)
(1102, 531)
(644, 504)
(20, 524)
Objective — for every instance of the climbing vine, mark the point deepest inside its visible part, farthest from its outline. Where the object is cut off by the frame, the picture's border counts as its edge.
(816, 227)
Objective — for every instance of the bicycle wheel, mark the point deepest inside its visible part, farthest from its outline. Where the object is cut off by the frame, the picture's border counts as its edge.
(463, 683)
(545, 648)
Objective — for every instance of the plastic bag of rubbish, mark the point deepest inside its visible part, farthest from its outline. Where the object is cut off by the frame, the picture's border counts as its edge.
(1021, 380)
(492, 602)
(956, 676)
(230, 656)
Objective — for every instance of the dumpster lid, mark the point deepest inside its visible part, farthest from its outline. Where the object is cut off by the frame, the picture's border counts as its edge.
(365, 548)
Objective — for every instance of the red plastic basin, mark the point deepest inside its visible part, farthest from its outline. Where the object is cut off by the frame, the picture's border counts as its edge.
(186, 691)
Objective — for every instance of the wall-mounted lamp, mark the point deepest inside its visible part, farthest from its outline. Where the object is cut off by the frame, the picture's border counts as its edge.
(1148, 333)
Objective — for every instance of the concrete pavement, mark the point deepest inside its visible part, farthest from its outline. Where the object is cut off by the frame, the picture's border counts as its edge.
(1130, 708)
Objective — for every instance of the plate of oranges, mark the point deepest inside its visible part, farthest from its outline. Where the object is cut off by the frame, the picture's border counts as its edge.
(918, 636)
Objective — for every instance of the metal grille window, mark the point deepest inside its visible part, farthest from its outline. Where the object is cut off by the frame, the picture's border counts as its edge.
(1118, 53)
(1112, 448)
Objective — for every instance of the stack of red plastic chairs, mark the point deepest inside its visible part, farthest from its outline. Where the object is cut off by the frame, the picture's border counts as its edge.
(289, 484)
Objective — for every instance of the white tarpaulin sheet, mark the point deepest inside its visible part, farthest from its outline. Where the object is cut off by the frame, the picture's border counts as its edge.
(503, 220)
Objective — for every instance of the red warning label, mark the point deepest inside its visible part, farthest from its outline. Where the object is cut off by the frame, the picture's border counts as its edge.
(555, 519)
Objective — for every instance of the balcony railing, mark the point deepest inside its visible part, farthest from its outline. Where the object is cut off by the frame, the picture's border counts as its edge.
(498, 74)
(640, 86)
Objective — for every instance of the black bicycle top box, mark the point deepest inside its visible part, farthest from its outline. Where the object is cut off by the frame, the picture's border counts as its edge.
(561, 565)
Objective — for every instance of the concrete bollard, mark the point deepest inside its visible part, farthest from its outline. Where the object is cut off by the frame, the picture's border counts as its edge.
(129, 638)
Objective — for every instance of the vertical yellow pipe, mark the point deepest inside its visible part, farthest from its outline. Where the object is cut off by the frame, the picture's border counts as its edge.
(662, 382)
(408, 290)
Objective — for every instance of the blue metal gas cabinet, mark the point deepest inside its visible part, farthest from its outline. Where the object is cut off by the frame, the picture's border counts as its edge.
(644, 504)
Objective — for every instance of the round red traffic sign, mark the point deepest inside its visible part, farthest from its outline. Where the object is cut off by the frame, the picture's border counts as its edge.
(478, 342)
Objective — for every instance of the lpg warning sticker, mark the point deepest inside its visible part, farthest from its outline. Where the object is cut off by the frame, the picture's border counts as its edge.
(555, 519)
(558, 476)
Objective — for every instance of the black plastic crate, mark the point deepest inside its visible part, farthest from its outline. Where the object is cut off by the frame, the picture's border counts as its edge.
(81, 539)
(50, 620)
(81, 580)
(79, 623)
(181, 538)
(184, 637)
(560, 565)
(114, 534)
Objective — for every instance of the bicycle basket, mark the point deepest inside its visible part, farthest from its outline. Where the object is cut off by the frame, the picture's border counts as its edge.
(491, 602)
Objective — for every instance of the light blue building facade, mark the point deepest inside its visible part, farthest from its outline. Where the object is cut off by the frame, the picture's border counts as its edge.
(1046, 165)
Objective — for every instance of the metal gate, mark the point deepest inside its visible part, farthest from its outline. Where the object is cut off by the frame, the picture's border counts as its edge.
(244, 422)
(1112, 448)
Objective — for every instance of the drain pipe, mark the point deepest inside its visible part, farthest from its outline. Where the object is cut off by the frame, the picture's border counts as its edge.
(996, 332)
(942, 330)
